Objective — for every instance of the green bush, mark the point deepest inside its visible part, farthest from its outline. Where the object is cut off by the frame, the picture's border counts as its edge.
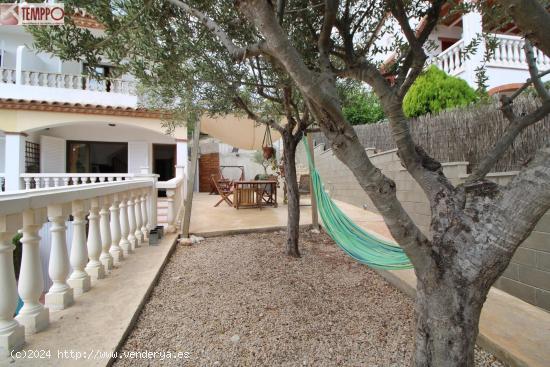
(360, 106)
(435, 91)
(17, 253)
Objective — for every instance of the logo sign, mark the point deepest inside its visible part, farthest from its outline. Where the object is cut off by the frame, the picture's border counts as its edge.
(32, 14)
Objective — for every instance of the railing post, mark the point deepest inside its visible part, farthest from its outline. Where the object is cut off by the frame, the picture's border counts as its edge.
(12, 334)
(105, 231)
(33, 316)
(94, 268)
(124, 243)
(137, 210)
(79, 279)
(144, 216)
(471, 29)
(116, 250)
(132, 222)
(171, 208)
(60, 295)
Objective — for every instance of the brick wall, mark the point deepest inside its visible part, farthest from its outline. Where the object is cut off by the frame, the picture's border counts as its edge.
(527, 277)
(209, 164)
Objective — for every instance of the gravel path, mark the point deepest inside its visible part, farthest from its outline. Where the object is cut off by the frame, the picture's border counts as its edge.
(238, 301)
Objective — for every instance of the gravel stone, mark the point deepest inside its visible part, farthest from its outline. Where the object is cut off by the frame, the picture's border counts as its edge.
(239, 301)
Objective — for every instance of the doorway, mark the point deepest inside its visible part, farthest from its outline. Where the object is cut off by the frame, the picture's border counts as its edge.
(164, 161)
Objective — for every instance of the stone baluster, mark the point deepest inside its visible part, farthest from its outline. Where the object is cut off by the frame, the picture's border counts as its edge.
(137, 209)
(27, 182)
(144, 217)
(60, 295)
(124, 243)
(12, 334)
(116, 250)
(132, 222)
(33, 316)
(94, 268)
(79, 279)
(171, 211)
(105, 231)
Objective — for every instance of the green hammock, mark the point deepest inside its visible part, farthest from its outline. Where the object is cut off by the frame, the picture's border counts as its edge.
(360, 245)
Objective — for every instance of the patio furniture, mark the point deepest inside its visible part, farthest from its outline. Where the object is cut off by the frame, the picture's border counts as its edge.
(255, 193)
(224, 189)
(303, 184)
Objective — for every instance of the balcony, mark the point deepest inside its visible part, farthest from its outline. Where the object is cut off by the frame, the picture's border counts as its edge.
(506, 66)
(66, 88)
(80, 232)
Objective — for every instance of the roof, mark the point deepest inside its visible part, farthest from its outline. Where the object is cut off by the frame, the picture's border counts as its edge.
(85, 108)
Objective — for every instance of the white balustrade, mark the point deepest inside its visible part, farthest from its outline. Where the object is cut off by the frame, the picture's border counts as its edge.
(68, 81)
(174, 198)
(45, 180)
(124, 227)
(137, 210)
(33, 316)
(29, 211)
(60, 295)
(79, 279)
(145, 216)
(452, 59)
(94, 268)
(105, 231)
(12, 334)
(131, 222)
(115, 251)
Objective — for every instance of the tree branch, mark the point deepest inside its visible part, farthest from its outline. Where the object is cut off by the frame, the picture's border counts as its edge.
(237, 53)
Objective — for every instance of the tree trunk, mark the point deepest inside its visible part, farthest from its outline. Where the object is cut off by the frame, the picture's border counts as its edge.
(293, 193)
(447, 318)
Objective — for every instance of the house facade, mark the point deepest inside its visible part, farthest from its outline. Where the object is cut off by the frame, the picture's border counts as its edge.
(506, 68)
(58, 123)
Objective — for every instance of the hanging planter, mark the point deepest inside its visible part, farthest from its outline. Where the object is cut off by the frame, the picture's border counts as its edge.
(267, 145)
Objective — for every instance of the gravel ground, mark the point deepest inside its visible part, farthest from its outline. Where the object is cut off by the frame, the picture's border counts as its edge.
(238, 301)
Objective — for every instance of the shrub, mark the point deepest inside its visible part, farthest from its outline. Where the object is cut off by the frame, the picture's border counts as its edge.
(435, 91)
(359, 105)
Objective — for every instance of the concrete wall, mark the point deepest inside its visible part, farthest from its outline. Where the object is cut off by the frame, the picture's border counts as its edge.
(527, 277)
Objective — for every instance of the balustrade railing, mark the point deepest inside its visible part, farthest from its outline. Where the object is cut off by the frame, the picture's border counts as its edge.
(68, 81)
(451, 60)
(175, 189)
(45, 180)
(2, 182)
(119, 219)
(510, 53)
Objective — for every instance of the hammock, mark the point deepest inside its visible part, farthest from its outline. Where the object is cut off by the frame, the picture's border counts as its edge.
(360, 245)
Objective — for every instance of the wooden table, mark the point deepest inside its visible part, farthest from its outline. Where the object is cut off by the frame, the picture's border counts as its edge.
(255, 193)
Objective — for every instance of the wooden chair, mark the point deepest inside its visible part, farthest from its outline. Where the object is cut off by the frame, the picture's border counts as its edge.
(303, 184)
(224, 189)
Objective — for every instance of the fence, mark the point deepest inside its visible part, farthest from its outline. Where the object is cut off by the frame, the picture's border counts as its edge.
(464, 134)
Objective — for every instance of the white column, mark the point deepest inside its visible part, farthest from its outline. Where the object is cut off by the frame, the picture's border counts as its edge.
(94, 268)
(60, 295)
(144, 216)
(131, 221)
(79, 279)
(171, 211)
(14, 156)
(181, 157)
(124, 243)
(116, 250)
(12, 334)
(105, 231)
(137, 210)
(472, 27)
(152, 203)
(33, 316)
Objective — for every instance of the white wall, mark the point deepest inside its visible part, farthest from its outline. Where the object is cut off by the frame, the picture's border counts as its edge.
(138, 156)
(53, 154)
(2, 153)
(241, 158)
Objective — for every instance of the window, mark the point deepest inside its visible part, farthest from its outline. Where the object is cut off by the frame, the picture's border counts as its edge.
(97, 157)
(32, 157)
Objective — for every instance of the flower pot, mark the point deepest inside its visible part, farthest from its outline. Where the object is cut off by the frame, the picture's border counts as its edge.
(160, 230)
(153, 237)
(269, 152)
